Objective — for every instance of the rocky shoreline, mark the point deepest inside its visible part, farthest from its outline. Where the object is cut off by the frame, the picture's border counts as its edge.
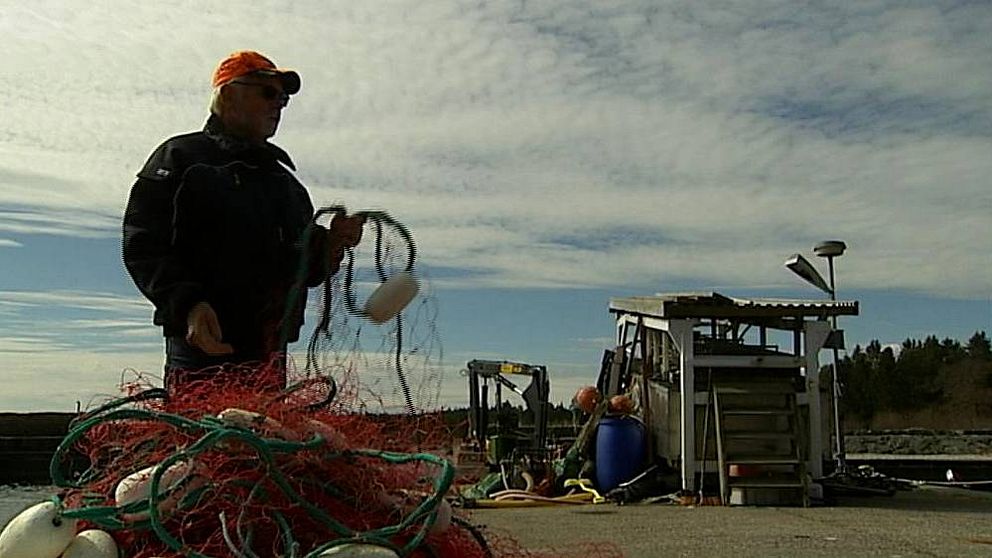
(920, 442)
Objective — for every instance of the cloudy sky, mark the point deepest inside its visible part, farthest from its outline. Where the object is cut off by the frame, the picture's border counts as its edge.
(546, 155)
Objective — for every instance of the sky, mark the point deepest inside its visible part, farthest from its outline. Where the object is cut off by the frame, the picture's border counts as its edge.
(546, 156)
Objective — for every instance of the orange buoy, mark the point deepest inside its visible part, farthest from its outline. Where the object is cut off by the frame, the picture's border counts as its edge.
(586, 398)
(621, 404)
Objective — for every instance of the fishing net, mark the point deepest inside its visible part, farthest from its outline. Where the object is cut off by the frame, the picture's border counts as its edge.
(400, 360)
(351, 451)
(230, 467)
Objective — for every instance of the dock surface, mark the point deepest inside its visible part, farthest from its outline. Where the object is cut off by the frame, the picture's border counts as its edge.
(928, 521)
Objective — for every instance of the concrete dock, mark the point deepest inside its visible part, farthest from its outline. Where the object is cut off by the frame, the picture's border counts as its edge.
(927, 521)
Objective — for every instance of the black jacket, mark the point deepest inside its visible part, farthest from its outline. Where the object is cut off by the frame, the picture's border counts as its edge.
(211, 218)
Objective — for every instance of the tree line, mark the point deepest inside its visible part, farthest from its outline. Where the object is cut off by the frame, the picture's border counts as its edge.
(919, 375)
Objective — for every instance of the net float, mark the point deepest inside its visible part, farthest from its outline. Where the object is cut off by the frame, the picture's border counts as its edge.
(333, 438)
(177, 481)
(442, 520)
(38, 532)
(92, 543)
(391, 297)
(586, 399)
(250, 420)
(408, 502)
(621, 404)
(358, 550)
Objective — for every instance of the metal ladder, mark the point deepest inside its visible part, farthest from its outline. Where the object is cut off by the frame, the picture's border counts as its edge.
(759, 443)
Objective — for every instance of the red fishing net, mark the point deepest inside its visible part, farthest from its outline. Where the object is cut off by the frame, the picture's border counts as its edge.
(232, 468)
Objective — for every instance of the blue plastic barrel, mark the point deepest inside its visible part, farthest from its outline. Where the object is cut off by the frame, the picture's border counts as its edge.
(619, 451)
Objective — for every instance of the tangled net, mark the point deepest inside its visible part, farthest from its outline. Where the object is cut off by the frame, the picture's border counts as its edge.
(402, 373)
(352, 452)
(279, 479)
(283, 481)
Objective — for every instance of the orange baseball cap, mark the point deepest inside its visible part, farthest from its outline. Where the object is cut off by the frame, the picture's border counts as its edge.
(245, 62)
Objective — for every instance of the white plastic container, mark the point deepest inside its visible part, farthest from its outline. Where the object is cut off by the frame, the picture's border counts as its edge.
(391, 297)
(37, 532)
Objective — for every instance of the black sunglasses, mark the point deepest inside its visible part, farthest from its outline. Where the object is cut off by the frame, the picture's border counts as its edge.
(269, 92)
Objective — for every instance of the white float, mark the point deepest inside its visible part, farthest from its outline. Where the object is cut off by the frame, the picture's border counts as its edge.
(37, 532)
(391, 297)
(333, 438)
(443, 518)
(358, 550)
(250, 420)
(394, 503)
(92, 543)
(174, 483)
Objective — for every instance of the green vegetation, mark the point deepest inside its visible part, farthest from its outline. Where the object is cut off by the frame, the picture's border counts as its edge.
(953, 382)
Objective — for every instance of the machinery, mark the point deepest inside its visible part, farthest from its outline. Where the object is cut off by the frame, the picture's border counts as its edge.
(483, 372)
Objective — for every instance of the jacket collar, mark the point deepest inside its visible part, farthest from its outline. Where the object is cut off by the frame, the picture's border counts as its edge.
(214, 129)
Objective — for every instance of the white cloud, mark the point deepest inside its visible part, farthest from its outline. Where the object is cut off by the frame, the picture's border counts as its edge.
(56, 220)
(68, 376)
(84, 300)
(491, 130)
(564, 143)
(52, 333)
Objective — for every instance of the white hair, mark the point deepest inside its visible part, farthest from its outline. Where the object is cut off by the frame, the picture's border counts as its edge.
(217, 101)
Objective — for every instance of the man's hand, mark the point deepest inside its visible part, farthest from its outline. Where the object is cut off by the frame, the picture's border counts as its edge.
(345, 232)
(203, 331)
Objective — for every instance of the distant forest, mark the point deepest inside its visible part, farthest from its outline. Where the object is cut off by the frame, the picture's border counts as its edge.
(925, 384)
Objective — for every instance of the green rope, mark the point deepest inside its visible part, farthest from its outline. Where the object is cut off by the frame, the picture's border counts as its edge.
(214, 432)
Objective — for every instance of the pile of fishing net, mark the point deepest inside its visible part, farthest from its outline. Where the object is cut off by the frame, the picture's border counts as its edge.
(348, 460)
(230, 467)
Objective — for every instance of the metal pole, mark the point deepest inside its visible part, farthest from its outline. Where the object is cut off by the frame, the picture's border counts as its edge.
(839, 454)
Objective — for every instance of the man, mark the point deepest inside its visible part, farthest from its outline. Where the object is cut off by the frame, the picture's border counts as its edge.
(218, 233)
